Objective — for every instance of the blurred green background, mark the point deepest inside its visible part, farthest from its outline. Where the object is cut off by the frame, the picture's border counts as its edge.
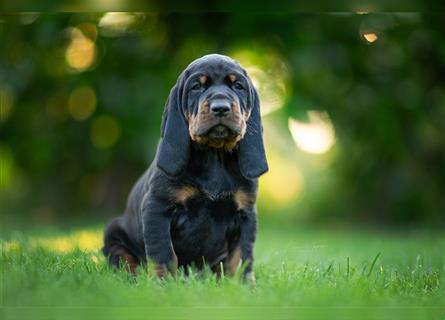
(353, 110)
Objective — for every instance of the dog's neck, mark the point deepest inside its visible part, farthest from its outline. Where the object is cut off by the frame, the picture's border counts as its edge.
(214, 170)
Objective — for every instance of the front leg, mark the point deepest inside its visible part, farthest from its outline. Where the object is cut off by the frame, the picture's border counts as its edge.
(247, 242)
(156, 218)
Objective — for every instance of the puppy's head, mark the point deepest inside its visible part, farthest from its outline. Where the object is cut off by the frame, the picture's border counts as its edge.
(214, 104)
(217, 104)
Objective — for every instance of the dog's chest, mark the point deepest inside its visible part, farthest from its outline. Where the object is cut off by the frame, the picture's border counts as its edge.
(209, 208)
(204, 225)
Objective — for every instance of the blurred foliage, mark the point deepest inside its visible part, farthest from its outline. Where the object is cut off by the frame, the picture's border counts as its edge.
(361, 95)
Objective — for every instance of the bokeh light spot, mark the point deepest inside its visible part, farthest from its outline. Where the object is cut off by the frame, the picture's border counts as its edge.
(283, 184)
(114, 24)
(370, 37)
(269, 74)
(82, 103)
(272, 93)
(104, 132)
(81, 52)
(316, 136)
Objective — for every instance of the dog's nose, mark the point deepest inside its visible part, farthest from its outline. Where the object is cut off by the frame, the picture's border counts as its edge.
(219, 107)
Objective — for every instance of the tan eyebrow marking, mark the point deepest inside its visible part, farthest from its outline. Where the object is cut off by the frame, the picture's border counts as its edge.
(232, 77)
(203, 79)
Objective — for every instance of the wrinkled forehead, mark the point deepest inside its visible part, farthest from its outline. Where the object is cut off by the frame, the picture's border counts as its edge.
(214, 66)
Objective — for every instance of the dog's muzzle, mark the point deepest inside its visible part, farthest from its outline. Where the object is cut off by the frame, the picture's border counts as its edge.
(220, 107)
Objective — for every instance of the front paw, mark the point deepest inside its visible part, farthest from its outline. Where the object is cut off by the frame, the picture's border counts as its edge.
(162, 270)
(249, 279)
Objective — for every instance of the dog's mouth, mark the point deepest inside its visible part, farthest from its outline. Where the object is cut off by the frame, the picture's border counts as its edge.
(219, 135)
(220, 132)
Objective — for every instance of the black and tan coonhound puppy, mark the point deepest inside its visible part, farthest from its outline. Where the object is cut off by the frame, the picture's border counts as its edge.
(195, 205)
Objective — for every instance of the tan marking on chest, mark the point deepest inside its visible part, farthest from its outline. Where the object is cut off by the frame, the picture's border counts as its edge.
(242, 199)
(184, 193)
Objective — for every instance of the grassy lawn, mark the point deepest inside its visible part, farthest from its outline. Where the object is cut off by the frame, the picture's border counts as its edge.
(315, 273)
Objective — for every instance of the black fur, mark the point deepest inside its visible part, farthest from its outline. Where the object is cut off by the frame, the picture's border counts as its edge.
(210, 225)
(173, 150)
(251, 150)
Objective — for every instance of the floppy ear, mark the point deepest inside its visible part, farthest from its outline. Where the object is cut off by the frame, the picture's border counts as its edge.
(174, 147)
(252, 157)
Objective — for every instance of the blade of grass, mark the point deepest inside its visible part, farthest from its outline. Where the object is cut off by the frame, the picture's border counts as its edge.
(373, 264)
(328, 269)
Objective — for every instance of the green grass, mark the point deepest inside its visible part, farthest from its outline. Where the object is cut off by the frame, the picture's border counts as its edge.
(301, 273)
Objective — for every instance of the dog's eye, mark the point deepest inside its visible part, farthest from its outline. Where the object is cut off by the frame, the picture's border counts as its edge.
(238, 86)
(197, 86)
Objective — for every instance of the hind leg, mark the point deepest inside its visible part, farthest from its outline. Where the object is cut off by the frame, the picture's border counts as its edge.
(119, 249)
(118, 256)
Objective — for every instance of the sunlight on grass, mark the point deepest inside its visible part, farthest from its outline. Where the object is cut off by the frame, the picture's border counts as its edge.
(87, 241)
(10, 245)
(84, 240)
